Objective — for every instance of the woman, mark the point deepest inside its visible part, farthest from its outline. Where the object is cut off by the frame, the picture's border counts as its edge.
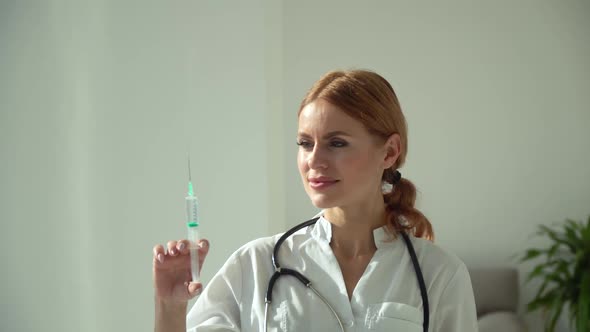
(352, 138)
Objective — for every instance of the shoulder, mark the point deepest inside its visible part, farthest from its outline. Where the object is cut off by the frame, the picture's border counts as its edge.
(433, 253)
(257, 247)
(439, 265)
(449, 286)
(265, 245)
(257, 253)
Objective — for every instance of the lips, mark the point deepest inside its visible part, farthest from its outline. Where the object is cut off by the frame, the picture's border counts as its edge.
(321, 182)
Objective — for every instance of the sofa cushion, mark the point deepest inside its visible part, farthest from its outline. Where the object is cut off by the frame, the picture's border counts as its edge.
(495, 289)
(501, 321)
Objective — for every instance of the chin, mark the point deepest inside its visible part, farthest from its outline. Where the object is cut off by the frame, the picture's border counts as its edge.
(323, 202)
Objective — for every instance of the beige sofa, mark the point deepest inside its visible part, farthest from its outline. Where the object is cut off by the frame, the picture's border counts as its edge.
(496, 297)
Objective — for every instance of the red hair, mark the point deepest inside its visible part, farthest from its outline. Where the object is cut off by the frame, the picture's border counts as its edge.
(370, 99)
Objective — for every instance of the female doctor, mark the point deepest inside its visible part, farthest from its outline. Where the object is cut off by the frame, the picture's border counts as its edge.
(369, 256)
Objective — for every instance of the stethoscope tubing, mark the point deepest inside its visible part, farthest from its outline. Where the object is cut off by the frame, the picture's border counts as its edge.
(281, 271)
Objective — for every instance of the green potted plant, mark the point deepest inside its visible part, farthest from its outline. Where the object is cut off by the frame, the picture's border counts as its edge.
(564, 271)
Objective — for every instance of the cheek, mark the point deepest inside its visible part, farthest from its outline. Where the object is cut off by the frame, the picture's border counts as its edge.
(359, 165)
(301, 164)
(354, 160)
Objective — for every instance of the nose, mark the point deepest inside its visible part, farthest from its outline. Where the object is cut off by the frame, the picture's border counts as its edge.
(316, 159)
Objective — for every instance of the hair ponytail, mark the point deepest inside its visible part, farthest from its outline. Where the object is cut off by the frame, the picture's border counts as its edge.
(400, 210)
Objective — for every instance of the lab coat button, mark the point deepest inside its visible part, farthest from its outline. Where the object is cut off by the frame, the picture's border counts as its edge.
(349, 323)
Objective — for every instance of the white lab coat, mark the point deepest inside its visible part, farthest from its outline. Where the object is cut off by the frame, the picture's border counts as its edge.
(386, 298)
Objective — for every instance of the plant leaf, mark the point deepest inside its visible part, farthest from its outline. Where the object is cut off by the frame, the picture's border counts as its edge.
(584, 303)
(551, 252)
(535, 273)
(573, 313)
(530, 254)
(542, 288)
(557, 238)
(571, 233)
(543, 301)
(586, 232)
(576, 225)
(556, 308)
(564, 271)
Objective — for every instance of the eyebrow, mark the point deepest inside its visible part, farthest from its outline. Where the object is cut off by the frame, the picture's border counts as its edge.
(328, 135)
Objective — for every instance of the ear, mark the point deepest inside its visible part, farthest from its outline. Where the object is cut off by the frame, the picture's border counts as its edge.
(393, 148)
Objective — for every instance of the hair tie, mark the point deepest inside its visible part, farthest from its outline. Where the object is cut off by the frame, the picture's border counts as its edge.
(397, 176)
(392, 177)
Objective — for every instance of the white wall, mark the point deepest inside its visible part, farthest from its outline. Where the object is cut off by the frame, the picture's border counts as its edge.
(98, 100)
(99, 104)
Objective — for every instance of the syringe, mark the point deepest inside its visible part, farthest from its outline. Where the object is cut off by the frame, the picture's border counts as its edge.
(193, 225)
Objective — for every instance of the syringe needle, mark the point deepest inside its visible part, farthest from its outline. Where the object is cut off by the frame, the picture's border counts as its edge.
(189, 167)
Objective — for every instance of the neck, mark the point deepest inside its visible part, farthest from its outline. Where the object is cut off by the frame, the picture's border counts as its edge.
(352, 227)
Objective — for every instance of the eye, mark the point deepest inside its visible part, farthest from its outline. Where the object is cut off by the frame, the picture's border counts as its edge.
(304, 144)
(338, 144)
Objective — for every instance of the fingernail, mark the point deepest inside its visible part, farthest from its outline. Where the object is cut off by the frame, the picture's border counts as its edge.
(181, 246)
(161, 258)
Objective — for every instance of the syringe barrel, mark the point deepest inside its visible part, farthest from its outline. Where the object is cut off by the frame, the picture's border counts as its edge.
(193, 237)
(192, 223)
(192, 215)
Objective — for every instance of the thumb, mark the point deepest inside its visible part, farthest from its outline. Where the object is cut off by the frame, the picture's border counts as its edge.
(194, 289)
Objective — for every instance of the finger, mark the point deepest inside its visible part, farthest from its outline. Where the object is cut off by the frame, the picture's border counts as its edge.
(203, 247)
(194, 288)
(159, 253)
(203, 251)
(172, 251)
(183, 246)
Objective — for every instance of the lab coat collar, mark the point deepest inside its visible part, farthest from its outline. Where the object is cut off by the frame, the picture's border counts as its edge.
(322, 231)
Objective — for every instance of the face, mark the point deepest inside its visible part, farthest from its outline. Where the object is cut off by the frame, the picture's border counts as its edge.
(339, 161)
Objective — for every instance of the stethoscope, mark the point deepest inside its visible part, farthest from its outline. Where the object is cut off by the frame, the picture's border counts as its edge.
(281, 271)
